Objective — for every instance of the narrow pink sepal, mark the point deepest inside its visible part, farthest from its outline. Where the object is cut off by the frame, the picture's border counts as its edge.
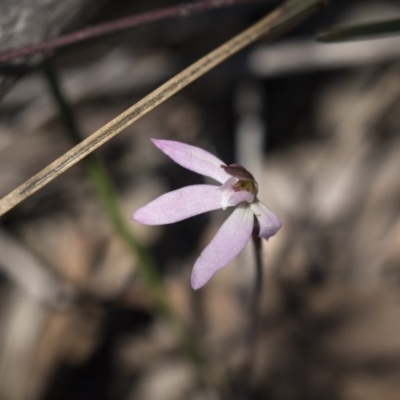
(229, 241)
(193, 158)
(179, 204)
(269, 222)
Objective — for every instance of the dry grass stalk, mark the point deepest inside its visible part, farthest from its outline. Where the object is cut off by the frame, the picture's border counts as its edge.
(287, 14)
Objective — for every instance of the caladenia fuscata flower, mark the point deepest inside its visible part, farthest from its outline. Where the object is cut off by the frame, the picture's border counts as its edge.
(238, 189)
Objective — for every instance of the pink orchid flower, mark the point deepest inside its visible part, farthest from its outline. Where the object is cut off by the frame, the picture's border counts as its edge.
(238, 189)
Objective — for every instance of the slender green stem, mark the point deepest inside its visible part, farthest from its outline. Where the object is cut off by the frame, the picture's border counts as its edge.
(106, 192)
(102, 183)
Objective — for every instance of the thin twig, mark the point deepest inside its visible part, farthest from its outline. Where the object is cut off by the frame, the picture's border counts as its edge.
(106, 28)
(290, 12)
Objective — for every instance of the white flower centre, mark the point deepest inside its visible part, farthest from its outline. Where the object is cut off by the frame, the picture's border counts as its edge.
(235, 191)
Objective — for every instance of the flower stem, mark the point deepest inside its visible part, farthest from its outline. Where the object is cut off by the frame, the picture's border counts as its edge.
(256, 293)
(241, 385)
(254, 313)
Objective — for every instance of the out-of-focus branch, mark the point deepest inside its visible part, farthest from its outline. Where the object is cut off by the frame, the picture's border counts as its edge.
(277, 21)
(106, 28)
(305, 55)
(370, 30)
(31, 275)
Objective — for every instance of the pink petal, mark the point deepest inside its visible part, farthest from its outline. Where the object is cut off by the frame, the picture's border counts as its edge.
(179, 204)
(269, 222)
(193, 158)
(229, 241)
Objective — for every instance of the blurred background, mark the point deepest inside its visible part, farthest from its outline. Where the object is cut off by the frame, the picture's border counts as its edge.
(317, 124)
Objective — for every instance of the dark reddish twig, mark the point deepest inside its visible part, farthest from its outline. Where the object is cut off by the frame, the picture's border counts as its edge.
(119, 25)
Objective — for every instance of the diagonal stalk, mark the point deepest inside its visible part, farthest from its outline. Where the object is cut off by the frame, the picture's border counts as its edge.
(281, 18)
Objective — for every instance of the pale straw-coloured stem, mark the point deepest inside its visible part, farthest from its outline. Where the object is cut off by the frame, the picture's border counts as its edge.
(279, 19)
